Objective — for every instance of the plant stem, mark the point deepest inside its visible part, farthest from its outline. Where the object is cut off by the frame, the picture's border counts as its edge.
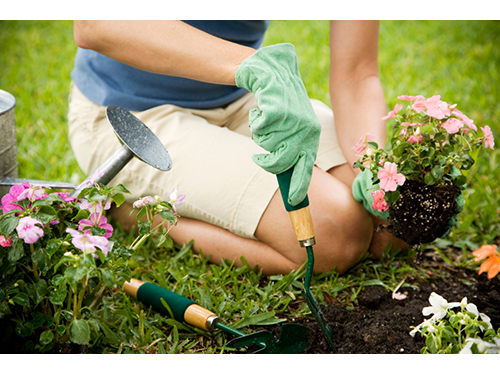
(35, 268)
(100, 289)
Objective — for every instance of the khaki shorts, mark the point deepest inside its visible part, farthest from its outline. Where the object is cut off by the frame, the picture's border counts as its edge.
(211, 158)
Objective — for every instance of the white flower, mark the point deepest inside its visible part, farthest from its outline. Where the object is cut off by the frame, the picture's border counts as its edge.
(470, 307)
(429, 323)
(482, 346)
(439, 306)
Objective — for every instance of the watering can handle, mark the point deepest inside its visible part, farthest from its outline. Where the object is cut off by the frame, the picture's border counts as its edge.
(300, 215)
(182, 308)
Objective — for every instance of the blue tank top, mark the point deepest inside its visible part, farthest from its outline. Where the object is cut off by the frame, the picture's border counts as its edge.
(108, 82)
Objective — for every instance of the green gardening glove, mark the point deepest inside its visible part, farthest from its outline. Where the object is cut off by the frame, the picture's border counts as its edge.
(284, 122)
(362, 189)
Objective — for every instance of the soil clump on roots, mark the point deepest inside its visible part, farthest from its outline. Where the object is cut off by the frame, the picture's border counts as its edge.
(422, 212)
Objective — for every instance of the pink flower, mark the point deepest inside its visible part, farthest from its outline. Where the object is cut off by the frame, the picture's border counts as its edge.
(9, 199)
(66, 198)
(403, 132)
(437, 108)
(143, 202)
(28, 231)
(467, 121)
(392, 113)
(33, 193)
(411, 98)
(86, 242)
(419, 106)
(5, 242)
(452, 125)
(389, 177)
(361, 146)
(90, 180)
(95, 207)
(97, 220)
(489, 141)
(175, 199)
(416, 139)
(379, 203)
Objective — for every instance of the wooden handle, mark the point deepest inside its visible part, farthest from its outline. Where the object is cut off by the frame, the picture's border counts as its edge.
(199, 317)
(131, 287)
(302, 224)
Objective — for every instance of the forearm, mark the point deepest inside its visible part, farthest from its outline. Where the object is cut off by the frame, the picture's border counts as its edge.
(164, 47)
(358, 108)
(356, 93)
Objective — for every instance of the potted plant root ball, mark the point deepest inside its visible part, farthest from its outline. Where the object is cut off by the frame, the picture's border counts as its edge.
(416, 182)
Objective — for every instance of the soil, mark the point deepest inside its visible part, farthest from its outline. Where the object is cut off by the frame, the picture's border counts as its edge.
(381, 325)
(422, 212)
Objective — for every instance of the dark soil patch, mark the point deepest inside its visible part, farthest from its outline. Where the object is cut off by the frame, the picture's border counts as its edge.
(381, 325)
(422, 212)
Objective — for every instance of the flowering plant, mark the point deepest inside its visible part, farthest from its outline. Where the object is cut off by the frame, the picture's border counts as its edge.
(448, 331)
(59, 257)
(431, 142)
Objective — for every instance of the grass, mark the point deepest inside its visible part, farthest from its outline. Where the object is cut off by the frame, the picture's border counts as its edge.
(457, 59)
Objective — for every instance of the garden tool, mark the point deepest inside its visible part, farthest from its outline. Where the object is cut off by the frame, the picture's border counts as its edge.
(137, 140)
(300, 217)
(292, 339)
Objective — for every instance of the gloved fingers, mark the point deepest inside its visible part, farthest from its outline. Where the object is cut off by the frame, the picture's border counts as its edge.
(277, 161)
(301, 179)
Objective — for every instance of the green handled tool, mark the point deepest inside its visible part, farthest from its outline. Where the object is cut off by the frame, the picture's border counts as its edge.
(300, 216)
(292, 338)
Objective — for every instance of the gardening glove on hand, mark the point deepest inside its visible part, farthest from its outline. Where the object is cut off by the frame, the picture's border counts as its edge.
(284, 122)
(362, 189)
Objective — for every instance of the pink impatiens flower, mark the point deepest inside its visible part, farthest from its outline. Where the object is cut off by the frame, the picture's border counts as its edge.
(95, 207)
(452, 125)
(33, 193)
(175, 199)
(393, 113)
(411, 98)
(416, 139)
(435, 107)
(13, 196)
(143, 202)
(361, 146)
(97, 221)
(467, 121)
(489, 141)
(86, 242)
(379, 203)
(389, 177)
(28, 231)
(5, 242)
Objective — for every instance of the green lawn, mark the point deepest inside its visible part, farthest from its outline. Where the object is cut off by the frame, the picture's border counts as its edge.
(460, 60)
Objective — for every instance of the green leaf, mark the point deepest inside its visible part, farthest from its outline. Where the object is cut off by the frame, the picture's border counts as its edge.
(21, 299)
(431, 344)
(141, 213)
(46, 337)
(56, 280)
(52, 246)
(165, 241)
(118, 199)
(144, 227)
(373, 144)
(168, 215)
(41, 259)
(82, 214)
(392, 196)
(429, 179)
(57, 297)
(107, 277)
(467, 161)
(4, 309)
(96, 231)
(79, 331)
(8, 225)
(37, 290)
(121, 188)
(437, 172)
(45, 214)
(24, 329)
(16, 251)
